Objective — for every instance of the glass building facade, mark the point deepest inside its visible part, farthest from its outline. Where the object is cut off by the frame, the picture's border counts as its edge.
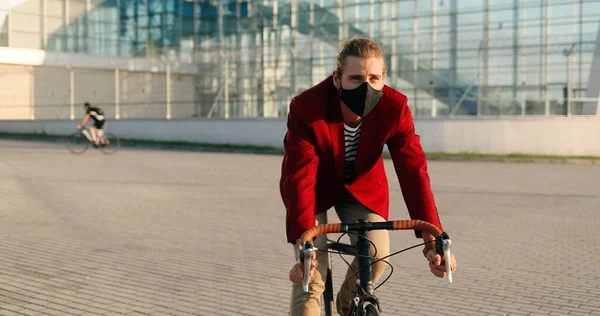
(462, 57)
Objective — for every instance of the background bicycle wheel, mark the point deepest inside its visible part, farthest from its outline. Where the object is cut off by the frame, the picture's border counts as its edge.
(77, 143)
(113, 144)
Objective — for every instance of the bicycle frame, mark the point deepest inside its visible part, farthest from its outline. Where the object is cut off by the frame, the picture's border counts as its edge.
(364, 290)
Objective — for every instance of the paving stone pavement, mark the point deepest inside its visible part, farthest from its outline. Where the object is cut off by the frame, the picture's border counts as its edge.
(178, 233)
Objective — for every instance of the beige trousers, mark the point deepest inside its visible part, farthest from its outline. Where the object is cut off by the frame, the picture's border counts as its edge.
(349, 210)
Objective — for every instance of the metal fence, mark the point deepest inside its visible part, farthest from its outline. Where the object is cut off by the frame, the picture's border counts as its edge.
(42, 92)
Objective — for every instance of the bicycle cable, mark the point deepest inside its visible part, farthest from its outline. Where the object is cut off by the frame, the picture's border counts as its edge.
(346, 282)
(346, 261)
(383, 259)
(371, 257)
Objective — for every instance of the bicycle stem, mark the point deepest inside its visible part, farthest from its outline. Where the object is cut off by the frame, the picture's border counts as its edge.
(364, 263)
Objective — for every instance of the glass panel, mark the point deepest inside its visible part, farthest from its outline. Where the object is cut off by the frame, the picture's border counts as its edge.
(152, 27)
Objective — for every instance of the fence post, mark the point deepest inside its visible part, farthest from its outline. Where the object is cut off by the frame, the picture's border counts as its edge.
(117, 94)
(71, 91)
(167, 84)
(117, 90)
(168, 74)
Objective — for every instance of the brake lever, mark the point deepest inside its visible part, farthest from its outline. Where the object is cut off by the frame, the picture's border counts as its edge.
(306, 257)
(446, 243)
(442, 248)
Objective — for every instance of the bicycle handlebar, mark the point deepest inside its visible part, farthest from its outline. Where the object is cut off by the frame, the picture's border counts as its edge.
(429, 231)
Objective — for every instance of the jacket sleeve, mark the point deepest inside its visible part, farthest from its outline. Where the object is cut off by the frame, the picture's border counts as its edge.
(410, 165)
(298, 175)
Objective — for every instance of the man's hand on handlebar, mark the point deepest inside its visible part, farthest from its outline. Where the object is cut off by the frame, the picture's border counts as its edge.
(79, 126)
(297, 271)
(437, 267)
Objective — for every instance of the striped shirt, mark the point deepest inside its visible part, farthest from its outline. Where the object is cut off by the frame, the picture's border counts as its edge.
(351, 137)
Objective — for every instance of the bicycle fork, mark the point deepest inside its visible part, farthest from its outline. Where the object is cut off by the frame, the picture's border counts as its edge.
(364, 282)
(365, 275)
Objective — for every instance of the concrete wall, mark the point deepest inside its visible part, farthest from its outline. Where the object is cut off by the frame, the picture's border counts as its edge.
(527, 135)
(36, 84)
(37, 57)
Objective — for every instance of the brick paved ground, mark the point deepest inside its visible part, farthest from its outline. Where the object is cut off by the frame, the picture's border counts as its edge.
(176, 233)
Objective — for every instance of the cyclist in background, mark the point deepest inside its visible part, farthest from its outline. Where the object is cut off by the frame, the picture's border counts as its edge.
(97, 137)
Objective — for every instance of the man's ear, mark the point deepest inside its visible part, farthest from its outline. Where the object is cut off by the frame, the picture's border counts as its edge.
(336, 79)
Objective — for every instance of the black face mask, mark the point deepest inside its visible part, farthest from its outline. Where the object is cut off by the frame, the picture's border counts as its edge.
(362, 99)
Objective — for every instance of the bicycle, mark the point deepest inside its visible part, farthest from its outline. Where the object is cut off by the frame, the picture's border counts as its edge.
(365, 303)
(78, 143)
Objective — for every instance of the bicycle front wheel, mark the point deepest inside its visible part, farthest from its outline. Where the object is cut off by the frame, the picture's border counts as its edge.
(370, 310)
(112, 144)
(77, 143)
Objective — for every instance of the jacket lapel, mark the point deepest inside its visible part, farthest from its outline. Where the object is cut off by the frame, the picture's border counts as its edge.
(336, 132)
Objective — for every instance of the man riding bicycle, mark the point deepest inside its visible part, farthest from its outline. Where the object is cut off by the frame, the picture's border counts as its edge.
(97, 137)
(336, 134)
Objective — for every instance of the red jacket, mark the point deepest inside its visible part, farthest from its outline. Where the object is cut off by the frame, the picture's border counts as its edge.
(312, 168)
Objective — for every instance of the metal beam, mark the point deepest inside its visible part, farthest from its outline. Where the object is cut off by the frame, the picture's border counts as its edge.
(117, 93)
(485, 55)
(293, 30)
(516, 50)
(321, 43)
(261, 71)
(415, 52)
(393, 71)
(523, 58)
(371, 18)
(87, 35)
(276, 46)
(240, 73)
(345, 23)
(119, 29)
(168, 88)
(341, 14)
(453, 49)
(546, 57)
(580, 59)
(569, 88)
(71, 92)
(311, 39)
(434, 42)
(382, 11)
(223, 71)
(357, 13)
